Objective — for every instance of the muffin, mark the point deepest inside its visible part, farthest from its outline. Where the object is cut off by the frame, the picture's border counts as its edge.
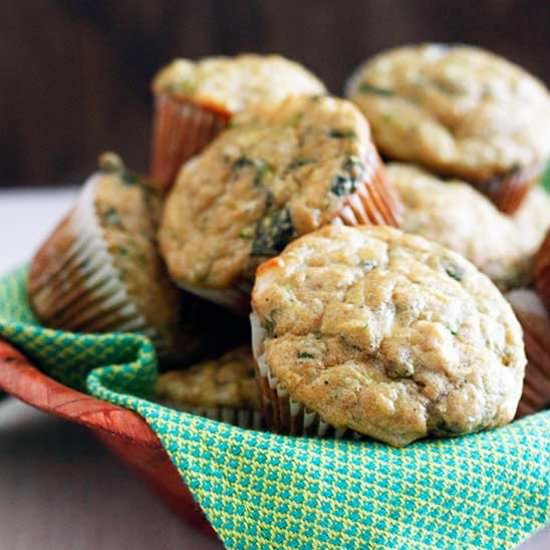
(542, 271)
(384, 333)
(222, 389)
(532, 219)
(535, 322)
(280, 172)
(458, 111)
(455, 215)
(99, 271)
(194, 101)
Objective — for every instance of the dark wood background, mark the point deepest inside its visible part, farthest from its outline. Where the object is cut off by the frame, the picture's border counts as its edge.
(75, 74)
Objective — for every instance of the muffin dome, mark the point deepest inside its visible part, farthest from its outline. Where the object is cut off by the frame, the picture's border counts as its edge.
(455, 215)
(532, 220)
(224, 382)
(456, 110)
(279, 172)
(387, 334)
(234, 83)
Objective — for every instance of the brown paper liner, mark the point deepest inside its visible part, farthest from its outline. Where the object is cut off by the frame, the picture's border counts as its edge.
(235, 299)
(181, 129)
(374, 201)
(74, 284)
(507, 192)
(281, 413)
(542, 271)
(535, 322)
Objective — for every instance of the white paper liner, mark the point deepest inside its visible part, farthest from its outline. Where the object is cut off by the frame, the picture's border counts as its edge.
(282, 413)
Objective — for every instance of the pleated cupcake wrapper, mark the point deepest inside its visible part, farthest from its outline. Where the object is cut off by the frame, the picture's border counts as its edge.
(542, 271)
(536, 334)
(282, 413)
(536, 385)
(84, 292)
(181, 129)
(244, 418)
(536, 389)
(508, 192)
(374, 200)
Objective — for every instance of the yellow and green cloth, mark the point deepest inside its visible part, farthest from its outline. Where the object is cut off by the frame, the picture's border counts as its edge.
(266, 491)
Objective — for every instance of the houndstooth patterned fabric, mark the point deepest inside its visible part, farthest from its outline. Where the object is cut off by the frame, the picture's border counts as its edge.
(266, 491)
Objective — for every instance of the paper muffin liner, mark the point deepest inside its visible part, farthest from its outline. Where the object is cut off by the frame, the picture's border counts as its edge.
(535, 322)
(374, 200)
(74, 284)
(281, 413)
(181, 129)
(542, 271)
(508, 192)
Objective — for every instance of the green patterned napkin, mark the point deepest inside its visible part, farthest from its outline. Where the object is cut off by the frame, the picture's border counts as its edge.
(261, 490)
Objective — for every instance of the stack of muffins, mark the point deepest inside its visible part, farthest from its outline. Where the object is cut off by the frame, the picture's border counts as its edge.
(269, 198)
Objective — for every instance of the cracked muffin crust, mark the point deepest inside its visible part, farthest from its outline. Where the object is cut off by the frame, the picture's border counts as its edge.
(388, 334)
(194, 101)
(280, 172)
(457, 216)
(458, 111)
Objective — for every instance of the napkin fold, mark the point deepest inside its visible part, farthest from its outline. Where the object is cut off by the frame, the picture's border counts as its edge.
(267, 491)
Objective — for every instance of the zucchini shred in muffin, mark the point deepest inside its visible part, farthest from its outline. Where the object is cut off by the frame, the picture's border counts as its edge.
(99, 271)
(384, 333)
(194, 101)
(458, 111)
(221, 389)
(280, 172)
(455, 215)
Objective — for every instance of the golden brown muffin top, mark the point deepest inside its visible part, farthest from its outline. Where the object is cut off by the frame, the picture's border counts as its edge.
(457, 110)
(388, 334)
(457, 216)
(127, 209)
(279, 172)
(225, 382)
(234, 83)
